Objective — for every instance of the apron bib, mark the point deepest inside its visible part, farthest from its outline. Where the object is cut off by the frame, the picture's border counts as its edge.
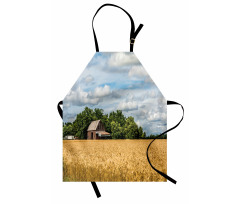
(115, 121)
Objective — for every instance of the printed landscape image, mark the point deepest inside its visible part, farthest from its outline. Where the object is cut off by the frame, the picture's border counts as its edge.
(109, 118)
(113, 160)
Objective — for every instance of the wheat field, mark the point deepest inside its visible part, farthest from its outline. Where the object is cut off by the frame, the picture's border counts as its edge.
(113, 160)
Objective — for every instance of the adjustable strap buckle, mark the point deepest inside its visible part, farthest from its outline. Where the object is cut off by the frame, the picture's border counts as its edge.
(133, 35)
(132, 41)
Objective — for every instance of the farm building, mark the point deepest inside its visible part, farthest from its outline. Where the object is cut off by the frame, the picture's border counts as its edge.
(96, 131)
(69, 137)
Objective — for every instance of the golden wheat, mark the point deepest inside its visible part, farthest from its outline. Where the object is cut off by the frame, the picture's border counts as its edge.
(113, 160)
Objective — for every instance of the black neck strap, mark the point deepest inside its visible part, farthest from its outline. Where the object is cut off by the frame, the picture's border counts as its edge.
(133, 32)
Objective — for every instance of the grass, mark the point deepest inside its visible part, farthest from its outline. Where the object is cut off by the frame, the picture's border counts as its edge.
(113, 160)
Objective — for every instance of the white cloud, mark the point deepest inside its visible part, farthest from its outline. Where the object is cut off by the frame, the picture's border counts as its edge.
(80, 97)
(153, 93)
(88, 79)
(101, 91)
(138, 123)
(155, 116)
(122, 59)
(137, 71)
(127, 106)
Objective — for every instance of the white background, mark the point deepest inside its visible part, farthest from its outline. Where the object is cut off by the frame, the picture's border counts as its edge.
(190, 49)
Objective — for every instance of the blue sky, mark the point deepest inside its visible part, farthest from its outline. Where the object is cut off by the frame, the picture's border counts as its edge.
(117, 81)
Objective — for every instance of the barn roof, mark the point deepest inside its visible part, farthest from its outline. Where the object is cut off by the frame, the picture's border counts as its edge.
(93, 125)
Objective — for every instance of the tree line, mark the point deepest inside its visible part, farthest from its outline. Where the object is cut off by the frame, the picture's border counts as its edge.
(119, 126)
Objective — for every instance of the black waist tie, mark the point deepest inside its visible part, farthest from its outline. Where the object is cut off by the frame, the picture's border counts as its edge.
(161, 173)
(93, 183)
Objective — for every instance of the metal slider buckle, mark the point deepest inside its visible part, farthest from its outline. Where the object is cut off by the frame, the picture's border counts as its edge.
(132, 41)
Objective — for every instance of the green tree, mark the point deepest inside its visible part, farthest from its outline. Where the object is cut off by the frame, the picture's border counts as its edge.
(83, 120)
(151, 136)
(144, 135)
(68, 130)
(115, 123)
(77, 126)
(68, 123)
(98, 114)
(116, 130)
(140, 132)
(130, 129)
(117, 117)
(164, 136)
(106, 123)
(120, 118)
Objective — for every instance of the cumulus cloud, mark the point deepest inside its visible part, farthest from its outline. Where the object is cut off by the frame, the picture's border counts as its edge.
(154, 127)
(141, 114)
(153, 93)
(137, 71)
(80, 97)
(101, 91)
(156, 116)
(88, 79)
(128, 106)
(122, 59)
(68, 117)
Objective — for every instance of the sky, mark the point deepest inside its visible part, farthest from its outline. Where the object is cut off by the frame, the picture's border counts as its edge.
(117, 81)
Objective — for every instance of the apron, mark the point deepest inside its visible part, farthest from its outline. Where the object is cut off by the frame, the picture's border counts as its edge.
(115, 121)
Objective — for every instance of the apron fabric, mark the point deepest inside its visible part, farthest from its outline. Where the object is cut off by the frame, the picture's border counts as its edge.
(115, 121)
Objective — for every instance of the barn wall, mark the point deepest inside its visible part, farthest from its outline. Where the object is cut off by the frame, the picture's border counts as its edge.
(94, 135)
(88, 135)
